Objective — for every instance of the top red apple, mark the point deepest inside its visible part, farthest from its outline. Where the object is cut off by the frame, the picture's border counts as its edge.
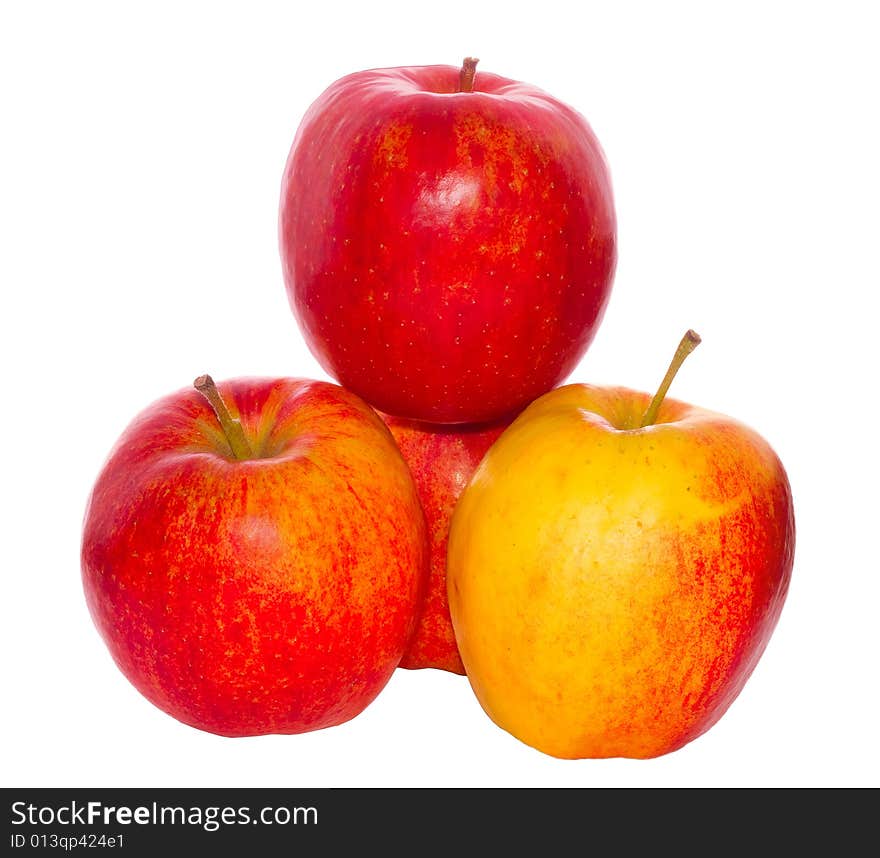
(448, 239)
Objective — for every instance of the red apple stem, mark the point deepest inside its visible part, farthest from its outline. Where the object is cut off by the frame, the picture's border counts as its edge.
(688, 343)
(230, 425)
(467, 74)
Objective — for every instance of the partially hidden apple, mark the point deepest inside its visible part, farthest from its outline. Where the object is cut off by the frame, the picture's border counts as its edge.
(447, 239)
(617, 565)
(254, 555)
(442, 460)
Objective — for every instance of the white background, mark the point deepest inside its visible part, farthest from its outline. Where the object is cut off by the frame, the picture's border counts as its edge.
(141, 152)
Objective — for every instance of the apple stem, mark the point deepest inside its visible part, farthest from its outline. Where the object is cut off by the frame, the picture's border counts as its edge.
(230, 425)
(467, 74)
(688, 343)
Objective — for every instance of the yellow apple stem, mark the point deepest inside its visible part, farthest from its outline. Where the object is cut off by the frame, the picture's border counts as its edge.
(467, 74)
(231, 426)
(688, 343)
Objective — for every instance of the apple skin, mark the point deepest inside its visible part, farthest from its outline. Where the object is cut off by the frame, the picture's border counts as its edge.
(442, 460)
(612, 588)
(270, 595)
(448, 255)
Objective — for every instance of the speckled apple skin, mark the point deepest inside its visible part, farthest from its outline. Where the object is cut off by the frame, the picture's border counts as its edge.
(273, 595)
(442, 459)
(448, 255)
(612, 588)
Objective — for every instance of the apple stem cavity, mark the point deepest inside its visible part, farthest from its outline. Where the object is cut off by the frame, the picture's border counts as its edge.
(230, 425)
(688, 343)
(467, 74)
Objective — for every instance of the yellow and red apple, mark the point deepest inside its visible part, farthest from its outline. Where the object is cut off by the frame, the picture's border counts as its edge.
(616, 568)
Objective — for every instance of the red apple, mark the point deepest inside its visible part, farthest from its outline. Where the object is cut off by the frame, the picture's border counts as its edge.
(442, 460)
(448, 239)
(256, 565)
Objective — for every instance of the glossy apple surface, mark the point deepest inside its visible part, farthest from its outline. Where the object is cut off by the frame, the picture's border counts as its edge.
(274, 594)
(448, 254)
(442, 460)
(613, 587)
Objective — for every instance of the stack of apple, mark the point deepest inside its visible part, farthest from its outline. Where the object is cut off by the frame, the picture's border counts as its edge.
(604, 566)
